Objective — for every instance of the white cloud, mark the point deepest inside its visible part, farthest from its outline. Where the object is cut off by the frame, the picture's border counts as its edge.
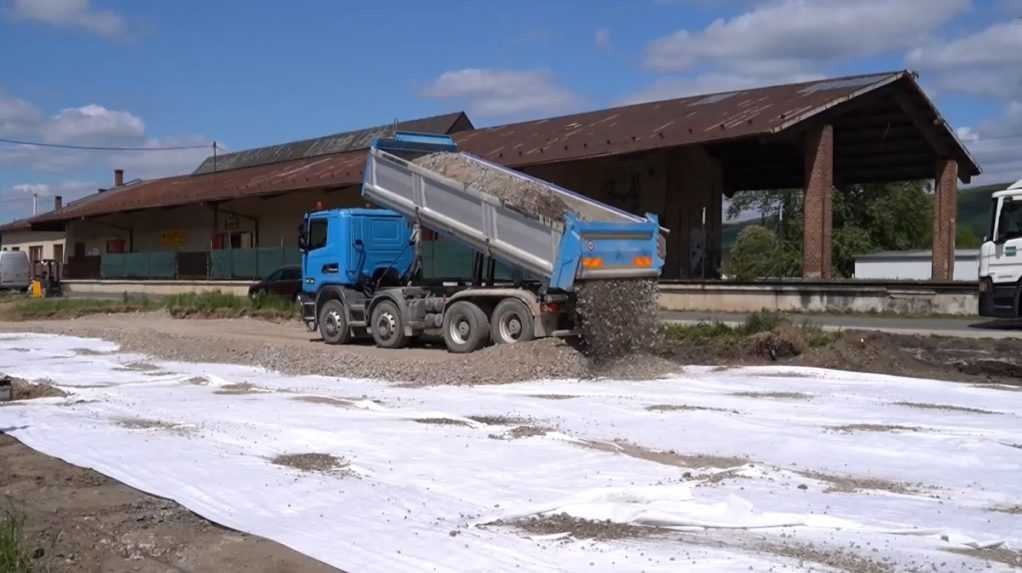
(988, 62)
(163, 163)
(711, 82)
(71, 13)
(787, 36)
(495, 92)
(40, 189)
(93, 123)
(16, 115)
(16, 201)
(601, 39)
(995, 144)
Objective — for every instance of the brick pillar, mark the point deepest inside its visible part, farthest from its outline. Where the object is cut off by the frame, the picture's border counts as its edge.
(945, 217)
(817, 215)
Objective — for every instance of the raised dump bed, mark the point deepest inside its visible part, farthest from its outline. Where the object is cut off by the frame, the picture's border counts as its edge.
(546, 230)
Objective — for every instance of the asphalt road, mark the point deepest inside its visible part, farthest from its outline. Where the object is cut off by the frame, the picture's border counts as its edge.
(971, 327)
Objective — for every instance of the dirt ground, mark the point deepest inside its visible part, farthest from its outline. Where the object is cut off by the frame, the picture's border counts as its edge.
(81, 521)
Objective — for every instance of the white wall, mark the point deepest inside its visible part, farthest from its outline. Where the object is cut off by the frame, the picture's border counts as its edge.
(22, 240)
(916, 268)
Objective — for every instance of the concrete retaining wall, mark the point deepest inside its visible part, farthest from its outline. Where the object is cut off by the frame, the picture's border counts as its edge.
(153, 287)
(911, 298)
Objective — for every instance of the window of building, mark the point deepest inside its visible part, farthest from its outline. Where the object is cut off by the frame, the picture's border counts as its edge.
(58, 253)
(35, 253)
(241, 240)
(116, 245)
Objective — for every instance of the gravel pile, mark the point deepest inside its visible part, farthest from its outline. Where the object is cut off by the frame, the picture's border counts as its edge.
(618, 318)
(542, 359)
(518, 193)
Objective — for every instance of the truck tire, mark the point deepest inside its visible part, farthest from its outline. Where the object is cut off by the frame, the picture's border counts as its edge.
(511, 322)
(388, 328)
(465, 327)
(333, 324)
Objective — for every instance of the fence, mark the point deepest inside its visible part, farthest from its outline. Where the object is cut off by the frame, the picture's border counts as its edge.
(250, 263)
(226, 264)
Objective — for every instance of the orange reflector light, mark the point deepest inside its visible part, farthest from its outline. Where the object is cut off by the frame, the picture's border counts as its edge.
(592, 262)
(643, 261)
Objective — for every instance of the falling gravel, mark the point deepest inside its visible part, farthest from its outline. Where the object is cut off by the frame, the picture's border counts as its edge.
(522, 194)
(617, 318)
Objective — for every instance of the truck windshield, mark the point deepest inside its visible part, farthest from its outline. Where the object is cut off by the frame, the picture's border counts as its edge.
(1009, 226)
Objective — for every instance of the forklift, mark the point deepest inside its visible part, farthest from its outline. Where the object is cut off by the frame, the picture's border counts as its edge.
(48, 283)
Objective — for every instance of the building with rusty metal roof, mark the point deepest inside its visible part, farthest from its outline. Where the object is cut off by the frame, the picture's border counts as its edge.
(676, 158)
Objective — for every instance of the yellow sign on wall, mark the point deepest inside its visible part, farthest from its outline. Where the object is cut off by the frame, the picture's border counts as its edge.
(172, 239)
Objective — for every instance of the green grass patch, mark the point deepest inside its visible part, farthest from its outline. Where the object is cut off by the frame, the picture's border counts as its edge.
(816, 337)
(220, 305)
(63, 308)
(14, 557)
(191, 305)
(755, 323)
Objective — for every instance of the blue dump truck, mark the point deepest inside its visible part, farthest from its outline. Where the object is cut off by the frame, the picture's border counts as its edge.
(386, 272)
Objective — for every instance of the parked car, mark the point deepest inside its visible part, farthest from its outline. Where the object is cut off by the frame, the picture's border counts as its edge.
(15, 270)
(285, 282)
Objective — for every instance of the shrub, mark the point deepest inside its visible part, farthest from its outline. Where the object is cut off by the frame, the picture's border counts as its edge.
(756, 254)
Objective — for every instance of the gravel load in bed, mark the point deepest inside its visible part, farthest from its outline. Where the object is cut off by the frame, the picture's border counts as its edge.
(519, 193)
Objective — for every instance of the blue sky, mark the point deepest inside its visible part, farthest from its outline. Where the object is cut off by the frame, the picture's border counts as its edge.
(153, 74)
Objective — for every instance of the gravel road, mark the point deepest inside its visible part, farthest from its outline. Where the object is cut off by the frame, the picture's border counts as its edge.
(289, 348)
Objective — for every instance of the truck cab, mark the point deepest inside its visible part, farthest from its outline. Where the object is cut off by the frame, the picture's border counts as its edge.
(1000, 257)
(348, 254)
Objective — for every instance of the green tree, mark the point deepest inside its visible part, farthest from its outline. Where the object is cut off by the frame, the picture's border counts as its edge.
(966, 239)
(755, 254)
(867, 218)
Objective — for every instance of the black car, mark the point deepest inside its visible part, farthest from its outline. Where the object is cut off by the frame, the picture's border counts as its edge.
(285, 282)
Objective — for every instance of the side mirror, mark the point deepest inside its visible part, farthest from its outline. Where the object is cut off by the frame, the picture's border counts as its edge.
(303, 242)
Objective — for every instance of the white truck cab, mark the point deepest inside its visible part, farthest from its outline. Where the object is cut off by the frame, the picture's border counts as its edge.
(1000, 257)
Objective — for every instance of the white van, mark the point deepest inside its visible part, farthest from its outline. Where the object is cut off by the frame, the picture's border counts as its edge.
(15, 271)
(1000, 257)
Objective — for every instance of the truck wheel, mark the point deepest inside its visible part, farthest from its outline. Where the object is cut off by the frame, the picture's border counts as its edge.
(511, 322)
(465, 327)
(333, 326)
(388, 328)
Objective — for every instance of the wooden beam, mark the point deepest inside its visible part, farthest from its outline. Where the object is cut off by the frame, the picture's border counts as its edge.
(923, 122)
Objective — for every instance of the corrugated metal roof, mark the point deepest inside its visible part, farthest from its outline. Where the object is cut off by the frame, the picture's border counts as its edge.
(683, 121)
(716, 118)
(328, 144)
(17, 225)
(326, 171)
